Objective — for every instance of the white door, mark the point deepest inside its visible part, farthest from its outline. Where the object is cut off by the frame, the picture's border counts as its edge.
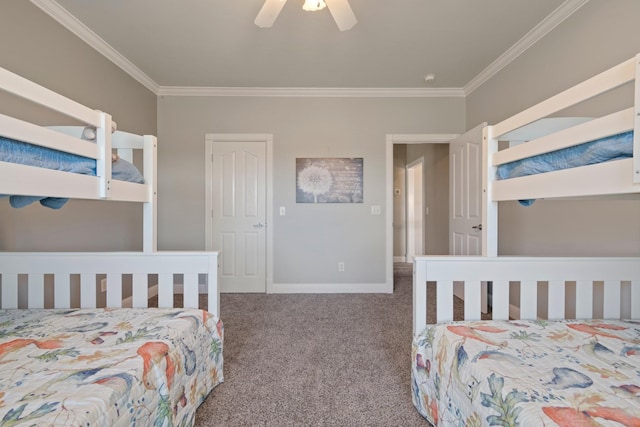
(465, 200)
(465, 193)
(415, 210)
(238, 210)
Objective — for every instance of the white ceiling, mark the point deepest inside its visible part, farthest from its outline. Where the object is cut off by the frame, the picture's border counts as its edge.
(214, 43)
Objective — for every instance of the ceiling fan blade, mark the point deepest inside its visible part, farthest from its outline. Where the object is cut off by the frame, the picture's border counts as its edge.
(269, 12)
(342, 14)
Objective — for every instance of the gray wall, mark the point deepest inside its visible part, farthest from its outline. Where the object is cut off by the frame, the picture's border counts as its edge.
(599, 35)
(310, 239)
(436, 176)
(36, 47)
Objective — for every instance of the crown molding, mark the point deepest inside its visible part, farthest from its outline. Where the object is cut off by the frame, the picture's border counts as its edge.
(70, 22)
(564, 11)
(311, 92)
(62, 16)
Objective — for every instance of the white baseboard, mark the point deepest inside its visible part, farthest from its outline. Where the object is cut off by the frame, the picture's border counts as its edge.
(330, 288)
(514, 312)
(178, 288)
(128, 301)
(399, 259)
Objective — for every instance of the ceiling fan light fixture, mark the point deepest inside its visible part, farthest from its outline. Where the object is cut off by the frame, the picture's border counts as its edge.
(340, 10)
(313, 5)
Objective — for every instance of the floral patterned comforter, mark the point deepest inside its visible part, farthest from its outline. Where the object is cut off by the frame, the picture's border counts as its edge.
(107, 367)
(528, 373)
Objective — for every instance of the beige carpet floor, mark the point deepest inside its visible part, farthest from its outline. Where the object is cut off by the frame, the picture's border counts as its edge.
(316, 360)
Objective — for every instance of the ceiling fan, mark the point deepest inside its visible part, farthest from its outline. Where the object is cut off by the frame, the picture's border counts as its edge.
(340, 10)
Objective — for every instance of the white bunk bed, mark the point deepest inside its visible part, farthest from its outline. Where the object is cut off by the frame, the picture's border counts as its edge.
(70, 355)
(568, 359)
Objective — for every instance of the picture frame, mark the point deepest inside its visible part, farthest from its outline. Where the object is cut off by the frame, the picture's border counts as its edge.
(329, 180)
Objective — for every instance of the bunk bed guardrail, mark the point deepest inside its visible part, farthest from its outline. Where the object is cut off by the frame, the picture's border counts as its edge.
(606, 178)
(48, 279)
(620, 278)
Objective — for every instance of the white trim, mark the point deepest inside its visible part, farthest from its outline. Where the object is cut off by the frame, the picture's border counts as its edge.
(269, 214)
(422, 138)
(433, 138)
(70, 22)
(411, 217)
(514, 312)
(152, 291)
(329, 288)
(84, 33)
(564, 11)
(313, 92)
(210, 138)
(400, 259)
(178, 288)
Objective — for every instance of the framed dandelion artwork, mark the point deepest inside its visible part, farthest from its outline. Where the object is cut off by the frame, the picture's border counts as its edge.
(329, 180)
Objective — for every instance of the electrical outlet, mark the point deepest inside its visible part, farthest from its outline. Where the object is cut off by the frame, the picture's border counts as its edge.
(341, 266)
(282, 210)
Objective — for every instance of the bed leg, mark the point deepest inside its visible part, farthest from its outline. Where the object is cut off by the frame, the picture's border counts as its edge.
(419, 295)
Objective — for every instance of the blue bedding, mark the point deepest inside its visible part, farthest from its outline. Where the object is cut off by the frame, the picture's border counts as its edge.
(27, 154)
(601, 150)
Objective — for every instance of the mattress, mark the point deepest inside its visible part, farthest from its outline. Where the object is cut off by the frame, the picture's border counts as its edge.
(528, 373)
(614, 147)
(33, 155)
(107, 367)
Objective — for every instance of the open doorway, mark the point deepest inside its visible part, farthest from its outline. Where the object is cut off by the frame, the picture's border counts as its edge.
(402, 150)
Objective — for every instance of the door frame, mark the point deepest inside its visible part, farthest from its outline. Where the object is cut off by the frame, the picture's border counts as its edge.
(422, 138)
(414, 208)
(267, 139)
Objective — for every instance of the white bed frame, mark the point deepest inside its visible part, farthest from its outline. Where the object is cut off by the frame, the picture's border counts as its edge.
(621, 276)
(52, 279)
(62, 272)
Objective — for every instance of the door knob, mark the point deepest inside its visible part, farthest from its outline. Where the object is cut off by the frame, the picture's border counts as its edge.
(258, 225)
(477, 227)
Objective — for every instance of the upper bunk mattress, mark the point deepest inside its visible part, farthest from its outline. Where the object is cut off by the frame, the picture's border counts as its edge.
(528, 373)
(601, 150)
(34, 155)
(107, 367)
(613, 147)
